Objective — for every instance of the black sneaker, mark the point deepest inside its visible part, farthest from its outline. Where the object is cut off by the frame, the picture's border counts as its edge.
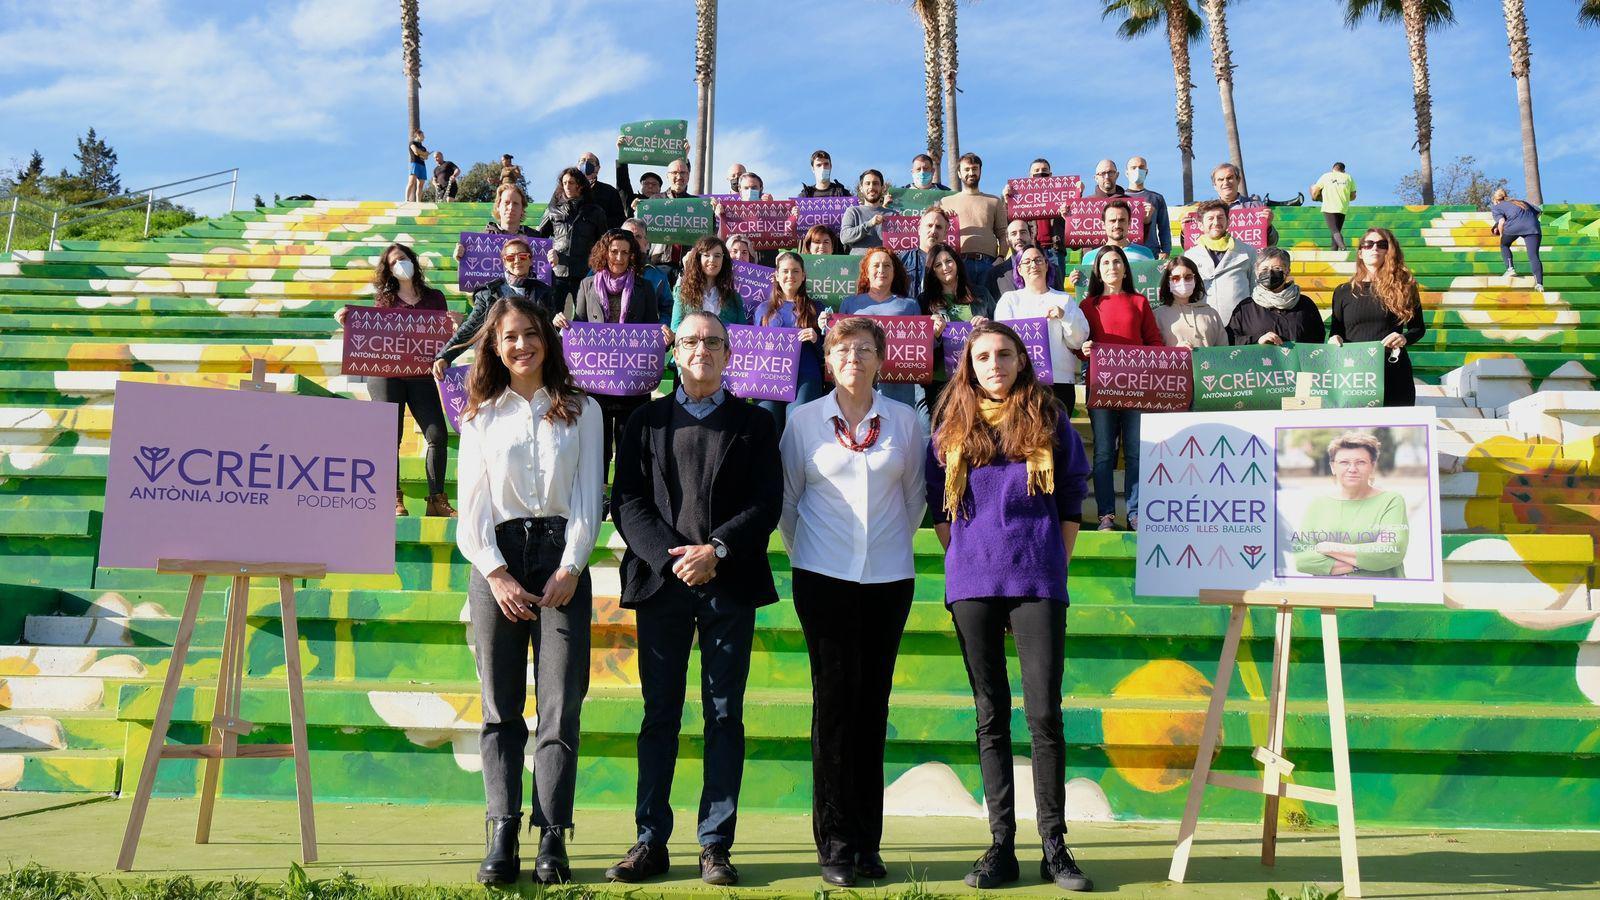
(640, 862)
(1058, 866)
(715, 866)
(997, 866)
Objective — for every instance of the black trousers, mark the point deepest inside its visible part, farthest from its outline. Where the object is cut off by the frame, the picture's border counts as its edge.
(1068, 395)
(1039, 628)
(421, 394)
(1335, 229)
(614, 413)
(852, 636)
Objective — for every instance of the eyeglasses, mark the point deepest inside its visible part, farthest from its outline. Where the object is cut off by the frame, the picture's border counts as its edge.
(1181, 279)
(517, 257)
(1379, 244)
(853, 352)
(1032, 263)
(692, 343)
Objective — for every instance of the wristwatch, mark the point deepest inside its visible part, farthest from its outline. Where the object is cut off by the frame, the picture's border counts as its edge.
(719, 548)
(572, 570)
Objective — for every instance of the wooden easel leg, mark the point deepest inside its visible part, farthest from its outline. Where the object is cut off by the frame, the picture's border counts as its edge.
(158, 728)
(1208, 745)
(1275, 711)
(227, 702)
(297, 721)
(1340, 745)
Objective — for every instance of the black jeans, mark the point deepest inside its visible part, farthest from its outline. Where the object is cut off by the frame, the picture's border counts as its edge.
(1068, 395)
(560, 637)
(422, 395)
(667, 624)
(1335, 229)
(614, 413)
(1040, 630)
(852, 636)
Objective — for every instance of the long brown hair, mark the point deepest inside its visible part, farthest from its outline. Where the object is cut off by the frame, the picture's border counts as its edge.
(386, 286)
(1029, 413)
(692, 287)
(805, 309)
(897, 283)
(1392, 282)
(489, 377)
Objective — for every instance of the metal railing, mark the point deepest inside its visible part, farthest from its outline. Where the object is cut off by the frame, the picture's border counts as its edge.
(147, 194)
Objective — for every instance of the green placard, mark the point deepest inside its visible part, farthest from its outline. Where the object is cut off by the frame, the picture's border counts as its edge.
(914, 201)
(681, 221)
(1256, 376)
(830, 279)
(658, 141)
(1345, 377)
(1146, 278)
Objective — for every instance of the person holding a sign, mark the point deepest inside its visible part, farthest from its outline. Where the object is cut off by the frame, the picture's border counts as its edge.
(925, 174)
(1359, 530)
(881, 290)
(517, 257)
(946, 295)
(1069, 329)
(1183, 316)
(853, 496)
(698, 493)
(1157, 221)
(822, 168)
(1116, 218)
(1276, 312)
(707, 284)
(1005, 478)
(789, 305)
(574, 222)
(510, 205)
(859, 228)
(1117, 314)
(1381, 302)
(1228, 182)
(1227, 266)
(398, 283)
(529, 483)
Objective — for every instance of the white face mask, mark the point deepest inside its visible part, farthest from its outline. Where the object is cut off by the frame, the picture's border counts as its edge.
(751, 193)
(403, 269)
(1181, 289)
(824, 175)
(1137, 174)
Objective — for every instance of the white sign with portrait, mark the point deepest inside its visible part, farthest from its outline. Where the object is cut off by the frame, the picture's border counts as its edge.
(1332, 500)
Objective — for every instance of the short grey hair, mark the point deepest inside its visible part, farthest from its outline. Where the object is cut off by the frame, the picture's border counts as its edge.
(700, 314)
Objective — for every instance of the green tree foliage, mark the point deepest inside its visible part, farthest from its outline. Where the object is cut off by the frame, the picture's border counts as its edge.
(1460, 182)
(97, 165)
(477, 184)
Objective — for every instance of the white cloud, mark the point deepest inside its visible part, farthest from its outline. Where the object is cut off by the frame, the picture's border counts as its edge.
(339, 24)
(754, 147)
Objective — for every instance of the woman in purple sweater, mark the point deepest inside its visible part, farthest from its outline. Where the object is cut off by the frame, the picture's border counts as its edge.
(1006, 480)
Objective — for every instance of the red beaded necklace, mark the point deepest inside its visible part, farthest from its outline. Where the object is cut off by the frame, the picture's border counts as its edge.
(848, 440)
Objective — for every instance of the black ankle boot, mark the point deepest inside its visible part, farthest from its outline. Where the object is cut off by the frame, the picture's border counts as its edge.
(501, 864)
(997, 866)
(550, 866)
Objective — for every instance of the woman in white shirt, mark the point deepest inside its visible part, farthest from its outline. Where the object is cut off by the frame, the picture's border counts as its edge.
(853, 496)
(529, 478)
(1068, 327)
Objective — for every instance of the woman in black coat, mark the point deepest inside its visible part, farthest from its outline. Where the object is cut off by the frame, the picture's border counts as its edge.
(573, 224)
(1275, 312)
(1381, 303)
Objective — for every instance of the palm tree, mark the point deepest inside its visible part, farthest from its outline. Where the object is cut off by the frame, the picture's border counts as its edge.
(1589, 12)
(1222, 64)
(932, 65)
(947, 61)
(411, 61)
(1417, 16)
(1517, 38)
(705, 80)
(1183, 26)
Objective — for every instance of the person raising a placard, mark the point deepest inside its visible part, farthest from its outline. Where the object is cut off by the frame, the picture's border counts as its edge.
(529, 483)
(516, 255)
(1358, 530)
(510, 205)
(398, 283)
(1006, 479)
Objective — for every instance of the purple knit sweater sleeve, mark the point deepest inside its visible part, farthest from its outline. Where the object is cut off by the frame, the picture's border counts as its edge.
(934, 473)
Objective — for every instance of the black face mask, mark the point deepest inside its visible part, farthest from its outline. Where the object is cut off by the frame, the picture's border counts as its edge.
(1275, 279)
(589, 167)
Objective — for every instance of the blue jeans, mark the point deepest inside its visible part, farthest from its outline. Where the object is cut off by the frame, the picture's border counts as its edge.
(977, 279)
(1111, 427)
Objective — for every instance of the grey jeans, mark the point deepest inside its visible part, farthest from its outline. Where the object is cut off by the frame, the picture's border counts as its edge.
(560, 637)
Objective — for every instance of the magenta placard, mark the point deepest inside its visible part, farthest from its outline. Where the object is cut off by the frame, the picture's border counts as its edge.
(900, 232)
(1035, 334)
(1248, 225)
(1150, 378)
(210, 474)
(615, 360)
(1085, 227)
(769, 224)
(393, 342)
(910, 344)
(1041, 198)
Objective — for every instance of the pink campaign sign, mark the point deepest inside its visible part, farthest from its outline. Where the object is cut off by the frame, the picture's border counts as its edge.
(209, 474)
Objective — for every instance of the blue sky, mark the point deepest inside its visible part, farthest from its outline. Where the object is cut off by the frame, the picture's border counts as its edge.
(308, 96)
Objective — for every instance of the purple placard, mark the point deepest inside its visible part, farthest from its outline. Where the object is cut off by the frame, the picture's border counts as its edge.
(768, 224)
(614, 360)
(753, 281)
(453, 394)
(208, 474)
(764, 363)
(827, 211)
(480, 259)
(1035, 334)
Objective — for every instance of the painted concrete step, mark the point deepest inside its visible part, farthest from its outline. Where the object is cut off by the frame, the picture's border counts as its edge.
(62, 771)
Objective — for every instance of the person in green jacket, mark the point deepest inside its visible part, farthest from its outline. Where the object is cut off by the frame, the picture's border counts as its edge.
(1360, 530)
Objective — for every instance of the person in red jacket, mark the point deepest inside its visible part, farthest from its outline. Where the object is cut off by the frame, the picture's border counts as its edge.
(1117, 314)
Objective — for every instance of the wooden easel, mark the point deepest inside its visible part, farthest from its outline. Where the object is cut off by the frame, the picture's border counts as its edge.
(226, 726)
(1275, 765)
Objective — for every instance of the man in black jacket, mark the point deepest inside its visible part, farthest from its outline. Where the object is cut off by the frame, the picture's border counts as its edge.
(697, 495)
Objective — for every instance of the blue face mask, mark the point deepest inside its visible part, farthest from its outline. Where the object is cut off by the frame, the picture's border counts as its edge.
(922, 179)
(824, 174)
(751, 193)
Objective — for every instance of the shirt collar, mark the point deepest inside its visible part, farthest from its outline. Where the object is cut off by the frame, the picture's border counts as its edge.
(715, 399)
(830, 406)
(509, 397)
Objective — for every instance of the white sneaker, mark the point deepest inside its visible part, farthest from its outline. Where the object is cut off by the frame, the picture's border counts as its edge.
(1511, 273)
(1538, 287)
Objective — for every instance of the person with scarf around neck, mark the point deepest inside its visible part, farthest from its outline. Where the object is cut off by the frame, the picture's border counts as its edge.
(789, 305)
(1227, 267)
(1276, 311)
(1006, 478)
(573, 222)
(617, 293)
(946, 295)
(1068, 327)
(1184, 318)
(853, 496)
(516, 255)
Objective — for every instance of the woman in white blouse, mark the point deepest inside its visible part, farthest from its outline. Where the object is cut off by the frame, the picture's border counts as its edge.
(853, 495)
(1068, 327)
(529, 478)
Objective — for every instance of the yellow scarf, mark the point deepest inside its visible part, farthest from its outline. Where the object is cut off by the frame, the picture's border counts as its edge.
(1041, 465)
(1217, 245)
